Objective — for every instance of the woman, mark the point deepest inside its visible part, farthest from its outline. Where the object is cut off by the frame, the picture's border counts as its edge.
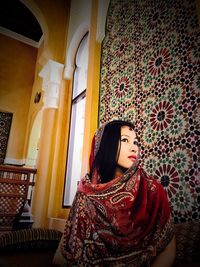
(120, 215)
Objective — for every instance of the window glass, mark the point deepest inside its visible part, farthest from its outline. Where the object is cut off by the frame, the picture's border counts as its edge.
(74, 157)
(80, 75)
(75, 149)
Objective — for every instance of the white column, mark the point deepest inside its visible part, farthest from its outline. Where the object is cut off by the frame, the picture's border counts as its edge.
(52, 77)
(52, 74)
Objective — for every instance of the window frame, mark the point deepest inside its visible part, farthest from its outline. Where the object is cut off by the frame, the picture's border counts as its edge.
(81, 95)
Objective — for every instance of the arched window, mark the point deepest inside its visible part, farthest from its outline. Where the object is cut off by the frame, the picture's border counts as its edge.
(74, 158)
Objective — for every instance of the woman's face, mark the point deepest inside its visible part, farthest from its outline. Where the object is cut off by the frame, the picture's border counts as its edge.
(128, 147)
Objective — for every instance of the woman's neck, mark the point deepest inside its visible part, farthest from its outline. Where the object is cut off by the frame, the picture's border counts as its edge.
(119, 171)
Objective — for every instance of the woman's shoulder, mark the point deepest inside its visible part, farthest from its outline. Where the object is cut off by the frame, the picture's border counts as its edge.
(152, 182)
(155, 190)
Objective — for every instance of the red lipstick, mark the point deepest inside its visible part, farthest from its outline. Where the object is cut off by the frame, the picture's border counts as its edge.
(132, 157)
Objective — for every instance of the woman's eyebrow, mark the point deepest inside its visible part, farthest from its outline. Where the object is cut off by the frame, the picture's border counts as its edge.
(125, 135)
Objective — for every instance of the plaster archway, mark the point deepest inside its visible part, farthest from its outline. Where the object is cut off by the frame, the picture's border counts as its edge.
(71, 51)
(31, 159)
(40, 18)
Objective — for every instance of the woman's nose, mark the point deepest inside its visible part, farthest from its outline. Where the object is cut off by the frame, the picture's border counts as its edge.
(134, 148)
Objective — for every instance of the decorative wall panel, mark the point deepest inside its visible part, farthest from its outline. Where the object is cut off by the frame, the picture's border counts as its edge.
(5, 123)
(150, 75)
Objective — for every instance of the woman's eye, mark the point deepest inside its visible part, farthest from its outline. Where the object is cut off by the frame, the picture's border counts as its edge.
(135, 142)
(124, 140)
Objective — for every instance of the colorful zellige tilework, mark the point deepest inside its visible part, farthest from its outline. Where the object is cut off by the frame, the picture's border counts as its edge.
(150, 75)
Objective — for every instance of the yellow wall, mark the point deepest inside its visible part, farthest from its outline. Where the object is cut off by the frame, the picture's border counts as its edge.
(47, 196)
(56, 15)
(90, 119)
(48, 191)
(17, 66)
(92, 93)
(51, 167)
(58, 173)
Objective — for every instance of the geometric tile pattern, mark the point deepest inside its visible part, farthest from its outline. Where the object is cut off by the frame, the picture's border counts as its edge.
(150, 75)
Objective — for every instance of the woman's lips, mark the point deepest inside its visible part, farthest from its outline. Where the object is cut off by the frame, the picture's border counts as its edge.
(132, 157)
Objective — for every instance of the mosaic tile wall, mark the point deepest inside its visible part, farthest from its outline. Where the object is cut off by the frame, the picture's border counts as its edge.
(150, 74)
(5, 123)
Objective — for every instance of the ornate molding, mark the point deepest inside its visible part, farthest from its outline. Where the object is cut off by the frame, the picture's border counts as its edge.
(72, 49)
(101, 19)
(52, 76)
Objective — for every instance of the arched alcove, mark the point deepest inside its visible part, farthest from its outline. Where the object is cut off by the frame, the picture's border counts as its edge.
(31, 159)
(72, 49)
(39, 16)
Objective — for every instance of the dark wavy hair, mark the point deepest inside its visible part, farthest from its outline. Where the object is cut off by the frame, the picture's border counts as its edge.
(105, 161)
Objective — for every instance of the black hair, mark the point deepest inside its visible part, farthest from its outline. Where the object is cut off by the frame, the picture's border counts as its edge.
(105, 161)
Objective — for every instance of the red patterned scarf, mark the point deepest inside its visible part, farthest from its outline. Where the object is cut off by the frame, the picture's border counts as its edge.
(125, 222)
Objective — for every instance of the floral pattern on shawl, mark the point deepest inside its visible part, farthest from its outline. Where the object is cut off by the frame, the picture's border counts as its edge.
(125, 222)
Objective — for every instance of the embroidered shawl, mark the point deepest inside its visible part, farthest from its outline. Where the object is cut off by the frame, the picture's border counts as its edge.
(125, 222)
